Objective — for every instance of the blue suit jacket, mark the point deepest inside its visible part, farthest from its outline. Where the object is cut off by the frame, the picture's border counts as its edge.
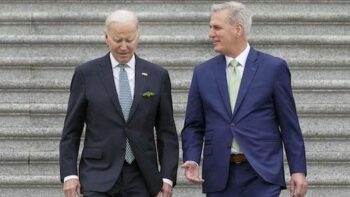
(264, 119)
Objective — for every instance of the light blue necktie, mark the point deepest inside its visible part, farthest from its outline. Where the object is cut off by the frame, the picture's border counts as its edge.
(125, 101)
(234, 82)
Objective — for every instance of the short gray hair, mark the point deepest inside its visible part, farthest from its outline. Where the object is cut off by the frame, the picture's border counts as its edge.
(238, 13)
(122, 16)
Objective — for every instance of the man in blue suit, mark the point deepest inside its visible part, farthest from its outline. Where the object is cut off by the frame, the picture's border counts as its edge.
(241, 107)
(122, 100)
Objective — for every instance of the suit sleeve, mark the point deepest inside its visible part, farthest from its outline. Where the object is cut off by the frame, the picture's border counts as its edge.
(288, 120)
(73, 127)
(167, 139)
(194, 126)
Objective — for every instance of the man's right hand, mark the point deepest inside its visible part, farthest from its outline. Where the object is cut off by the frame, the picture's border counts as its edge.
(71, 188)
(192, 172)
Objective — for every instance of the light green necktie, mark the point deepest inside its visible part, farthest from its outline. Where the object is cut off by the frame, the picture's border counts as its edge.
(234, 81)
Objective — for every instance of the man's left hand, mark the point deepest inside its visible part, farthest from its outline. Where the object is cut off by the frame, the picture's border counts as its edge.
(167, 191)
(298, 185)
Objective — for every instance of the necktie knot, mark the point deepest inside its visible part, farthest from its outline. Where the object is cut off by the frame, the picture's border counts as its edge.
(234, 63)
(122, 66)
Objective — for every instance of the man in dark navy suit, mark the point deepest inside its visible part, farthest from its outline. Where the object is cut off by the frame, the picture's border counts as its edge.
(124, 102)
(241, 107)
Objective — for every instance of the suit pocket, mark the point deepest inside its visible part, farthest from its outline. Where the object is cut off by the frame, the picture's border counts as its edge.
(92, 153)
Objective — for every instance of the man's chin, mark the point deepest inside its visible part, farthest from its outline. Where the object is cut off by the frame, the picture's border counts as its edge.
(217, 50)
(123, 59)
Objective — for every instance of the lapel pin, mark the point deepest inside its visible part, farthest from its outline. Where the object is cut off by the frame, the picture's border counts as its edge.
(145, 74)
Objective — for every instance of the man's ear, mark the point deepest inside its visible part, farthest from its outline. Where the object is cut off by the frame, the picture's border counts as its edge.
(138, 35)
(106, 38)
(240, 30)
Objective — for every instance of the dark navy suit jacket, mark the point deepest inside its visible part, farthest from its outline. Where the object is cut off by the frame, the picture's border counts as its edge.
(264, 119)
(94, 101)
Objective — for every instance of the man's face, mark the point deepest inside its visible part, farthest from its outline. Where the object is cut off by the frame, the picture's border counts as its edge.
(222, 33)
(122, 40)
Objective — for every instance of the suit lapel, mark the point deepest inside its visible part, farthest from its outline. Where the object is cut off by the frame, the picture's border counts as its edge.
(248, 75)
(106, 75)
(140, 81)
(219, 70)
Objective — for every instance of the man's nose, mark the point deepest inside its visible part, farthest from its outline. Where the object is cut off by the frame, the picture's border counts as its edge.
(210, 33)
(124, 45)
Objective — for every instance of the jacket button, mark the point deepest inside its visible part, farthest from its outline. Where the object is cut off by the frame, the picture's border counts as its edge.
(232, 124)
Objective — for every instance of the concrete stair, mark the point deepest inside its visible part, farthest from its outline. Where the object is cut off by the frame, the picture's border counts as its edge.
(41, 41)
(88, 46)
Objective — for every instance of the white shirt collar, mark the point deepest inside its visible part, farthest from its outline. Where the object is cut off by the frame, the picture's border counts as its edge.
(241, 58)
(115, 63)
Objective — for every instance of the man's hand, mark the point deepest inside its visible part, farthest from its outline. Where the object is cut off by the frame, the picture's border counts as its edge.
(71, 188)
(298, 185)
(167, 190)
(192, 172)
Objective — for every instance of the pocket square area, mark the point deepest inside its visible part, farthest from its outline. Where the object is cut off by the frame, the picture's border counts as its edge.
(148, 94)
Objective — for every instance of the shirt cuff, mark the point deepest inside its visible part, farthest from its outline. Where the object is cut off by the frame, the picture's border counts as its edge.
(170, 182)
(193, 162)
(70, 177)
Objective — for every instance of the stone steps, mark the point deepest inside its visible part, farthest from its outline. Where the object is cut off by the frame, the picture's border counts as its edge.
(171, 23)
(46, 139)
(54, 133)
(34, 186)
(94, 6)
(57, 92)
(46, 164)
(43, 40)
(336, 144)
(319, 185)
(170, 46)
(165, 18)
(62, 68)
(312, 116)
